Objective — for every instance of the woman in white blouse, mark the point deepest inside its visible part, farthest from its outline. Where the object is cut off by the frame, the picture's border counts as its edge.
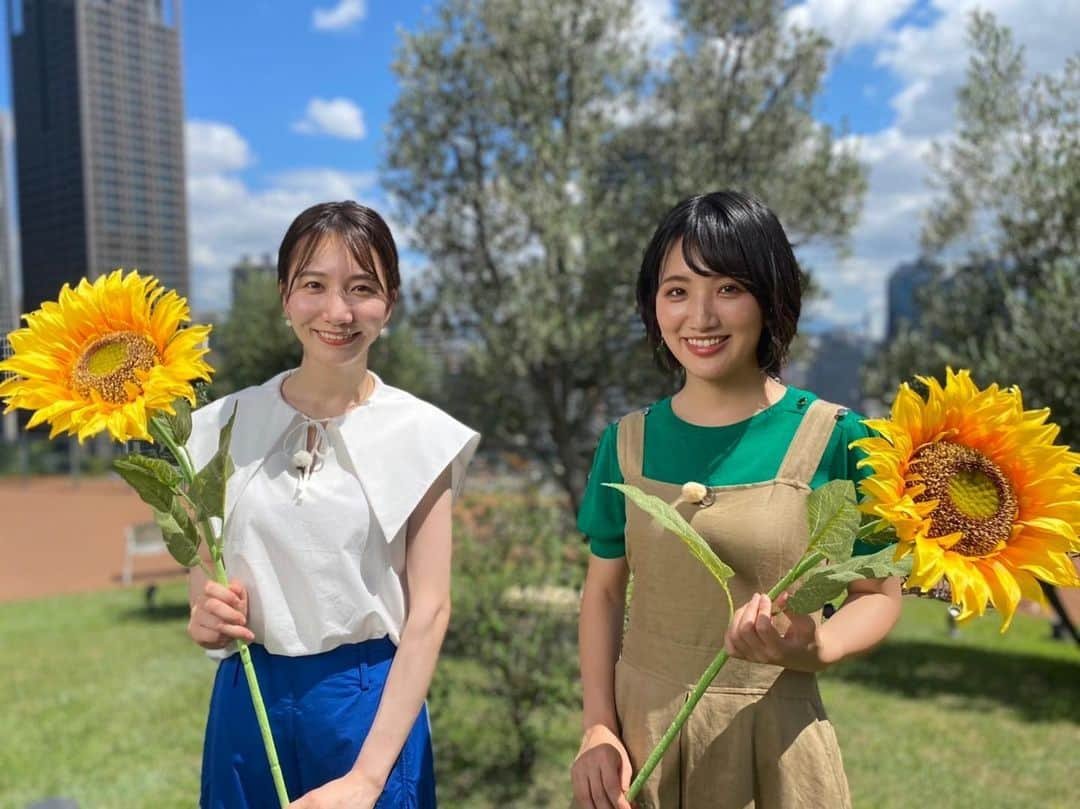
(338, 539)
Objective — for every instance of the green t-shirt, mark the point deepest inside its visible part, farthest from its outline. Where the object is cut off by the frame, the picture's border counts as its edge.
(749, 451)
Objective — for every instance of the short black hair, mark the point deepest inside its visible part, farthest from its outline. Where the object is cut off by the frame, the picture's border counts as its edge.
(734, 234)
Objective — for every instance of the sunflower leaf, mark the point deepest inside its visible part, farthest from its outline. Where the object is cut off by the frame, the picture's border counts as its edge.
(833, 519)
(180, 534)
(208, 489)
(180, 422)
(161, 430)
(153, 479)
(828, 583)
(672, 520)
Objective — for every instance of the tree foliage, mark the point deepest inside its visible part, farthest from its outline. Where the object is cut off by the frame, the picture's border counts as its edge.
(253, 343)
(516, 584)
(534, 148)
(1009, 185)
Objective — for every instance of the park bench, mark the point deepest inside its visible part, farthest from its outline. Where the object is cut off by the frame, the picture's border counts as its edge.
(142, 539)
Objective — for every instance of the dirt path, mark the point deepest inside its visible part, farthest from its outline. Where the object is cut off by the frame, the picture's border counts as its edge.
(57, 537)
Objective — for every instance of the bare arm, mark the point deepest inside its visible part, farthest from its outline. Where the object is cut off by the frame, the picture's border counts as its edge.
(603, 605)
(870, 612)
(601, 771)
(427, 571)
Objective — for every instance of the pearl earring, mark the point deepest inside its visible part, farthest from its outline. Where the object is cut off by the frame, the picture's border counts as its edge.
(288, 322)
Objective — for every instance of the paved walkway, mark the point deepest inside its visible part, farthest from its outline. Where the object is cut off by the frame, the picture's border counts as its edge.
(59, 536)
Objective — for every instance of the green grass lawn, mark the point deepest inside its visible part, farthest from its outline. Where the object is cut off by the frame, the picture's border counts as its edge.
(103, 701)
(983, 720)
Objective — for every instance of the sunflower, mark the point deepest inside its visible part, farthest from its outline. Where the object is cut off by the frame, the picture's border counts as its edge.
(976, 491)
(107, 355)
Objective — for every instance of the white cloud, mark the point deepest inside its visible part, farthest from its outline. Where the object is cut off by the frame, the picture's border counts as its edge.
(848, 23)
(887, 233)
(654, 23)
(337, 117)
(214, 147)
(931, 60)
(928, 55)
(343, 15)
(230, 218)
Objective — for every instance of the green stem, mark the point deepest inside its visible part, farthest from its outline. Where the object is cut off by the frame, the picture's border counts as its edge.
(257, 701)
(187, 469)
(868, 529)
(180, 453)
(809, 561)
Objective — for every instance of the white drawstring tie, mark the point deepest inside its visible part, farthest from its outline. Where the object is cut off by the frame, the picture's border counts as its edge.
(305, 460)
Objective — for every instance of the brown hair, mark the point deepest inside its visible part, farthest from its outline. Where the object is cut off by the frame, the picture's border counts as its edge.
(360, 229)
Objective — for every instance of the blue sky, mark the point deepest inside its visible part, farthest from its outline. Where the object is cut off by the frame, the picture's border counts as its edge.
(286, 103)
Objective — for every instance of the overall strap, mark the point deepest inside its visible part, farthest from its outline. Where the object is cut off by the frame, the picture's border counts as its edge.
(804, 453)
(631, 443)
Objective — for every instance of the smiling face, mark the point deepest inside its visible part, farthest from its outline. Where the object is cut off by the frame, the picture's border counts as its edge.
(337, 308)
(711, 323)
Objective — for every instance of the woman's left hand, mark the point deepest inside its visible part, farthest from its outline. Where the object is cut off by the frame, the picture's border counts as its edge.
(354, 790)
(752, 635)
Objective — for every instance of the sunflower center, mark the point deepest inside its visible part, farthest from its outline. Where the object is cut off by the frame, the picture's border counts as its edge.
(109, 363)
(974, 496)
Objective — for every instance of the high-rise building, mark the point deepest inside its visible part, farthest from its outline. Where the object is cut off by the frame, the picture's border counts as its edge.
(830, 366)
(9, 301)
(99, 140)
(249, 268)
(905, 281)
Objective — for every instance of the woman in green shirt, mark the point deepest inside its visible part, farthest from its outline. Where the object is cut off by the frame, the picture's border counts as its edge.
(719, 293)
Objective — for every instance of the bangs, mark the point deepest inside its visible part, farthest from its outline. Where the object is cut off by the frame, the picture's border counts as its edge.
(353, 241)
(710, 246)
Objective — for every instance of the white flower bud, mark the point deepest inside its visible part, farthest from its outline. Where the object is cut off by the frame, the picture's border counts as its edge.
(694, 492)
(301, 459)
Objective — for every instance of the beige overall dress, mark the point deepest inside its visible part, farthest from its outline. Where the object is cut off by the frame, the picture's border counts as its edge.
(759, 736)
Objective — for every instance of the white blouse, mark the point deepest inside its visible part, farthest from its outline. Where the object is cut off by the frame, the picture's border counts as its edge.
(311, 543)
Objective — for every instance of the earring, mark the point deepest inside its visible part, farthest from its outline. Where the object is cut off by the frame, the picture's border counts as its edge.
(287, 321)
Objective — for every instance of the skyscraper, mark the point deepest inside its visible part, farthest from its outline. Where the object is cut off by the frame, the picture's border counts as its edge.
(9, 302)
(905, 281)
(99, 141)
(249, 268)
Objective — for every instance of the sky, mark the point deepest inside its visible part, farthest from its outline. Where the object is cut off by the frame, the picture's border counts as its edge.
(286, 104)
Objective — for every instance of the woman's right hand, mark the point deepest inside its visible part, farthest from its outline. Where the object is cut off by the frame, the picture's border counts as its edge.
(219, 615)
(601, 771)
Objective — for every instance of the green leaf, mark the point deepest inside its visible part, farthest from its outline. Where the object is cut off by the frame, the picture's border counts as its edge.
(152, 479)
(174, 430)
(830, 582)
(672, 520)
(833, 519)
(207, 491)
(160, 430)
(181, 535)
(162, 470)
(180, 422)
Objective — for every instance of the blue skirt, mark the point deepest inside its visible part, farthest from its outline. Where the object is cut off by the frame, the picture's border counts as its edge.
(321, 708)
